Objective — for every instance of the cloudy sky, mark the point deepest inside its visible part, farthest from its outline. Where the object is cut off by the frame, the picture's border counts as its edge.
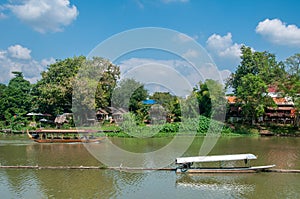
(35, 33)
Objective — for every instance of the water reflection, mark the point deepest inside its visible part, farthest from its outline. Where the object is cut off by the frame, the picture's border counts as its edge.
(22, 183)
(216, 185)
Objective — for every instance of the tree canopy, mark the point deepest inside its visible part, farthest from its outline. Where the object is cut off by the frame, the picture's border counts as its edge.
(129, 94)
(15, 99)
(252, 78)
(170, 102)
(53, 93)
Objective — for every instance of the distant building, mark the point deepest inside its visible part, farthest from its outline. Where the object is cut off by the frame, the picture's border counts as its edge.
(283, 113)
(111, 114)
(234, 111)
(102, 115)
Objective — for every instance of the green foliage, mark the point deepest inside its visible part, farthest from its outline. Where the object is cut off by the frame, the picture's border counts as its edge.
(131, 127)
(108, 74)
(93, 87)
(262, 64)
(170, 127)
(211, 98)
(204, 101)
(170, 103)
(190, 106)
(250, 82)
(128, 94)
(16, 101)
(291, 84)
(53, 93)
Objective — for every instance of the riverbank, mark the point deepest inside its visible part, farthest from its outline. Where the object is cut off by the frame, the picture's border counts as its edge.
(200, 128)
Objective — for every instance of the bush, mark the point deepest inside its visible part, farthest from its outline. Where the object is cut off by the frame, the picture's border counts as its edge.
(170, 127)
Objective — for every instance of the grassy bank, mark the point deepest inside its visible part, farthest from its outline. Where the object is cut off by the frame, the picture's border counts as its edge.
(196, 127)
(192, 127)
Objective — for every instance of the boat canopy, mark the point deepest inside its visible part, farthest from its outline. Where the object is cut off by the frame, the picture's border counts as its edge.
(216, 158)
(64, 131)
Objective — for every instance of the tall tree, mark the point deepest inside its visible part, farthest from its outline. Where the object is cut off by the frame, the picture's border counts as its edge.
(2, 107)
(109, 74)
(129, 94)
(55, 90)
(256, 72)
(202, 93)
(252, 93)
(93, 87)
(210, 96)
(170, 102)
(53, 93)
(16, 99)
(263, 64)
(291, 84)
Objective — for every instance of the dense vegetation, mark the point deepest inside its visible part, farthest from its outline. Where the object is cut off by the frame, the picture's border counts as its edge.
(259, 71)
(53, 93)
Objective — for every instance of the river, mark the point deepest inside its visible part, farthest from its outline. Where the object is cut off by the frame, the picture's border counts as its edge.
(105, 183)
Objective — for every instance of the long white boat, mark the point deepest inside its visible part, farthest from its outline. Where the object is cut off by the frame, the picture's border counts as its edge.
(185, 164)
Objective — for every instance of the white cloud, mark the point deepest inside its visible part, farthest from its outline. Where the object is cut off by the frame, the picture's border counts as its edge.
(184, 38)
(2, 54)
(29, 67)
(2, 14)
(172, 73)
(223, 49)
(190, 54)
(45, 15)
(47, 62)
(223, 46)
(278, 32)
(164, 74)
(19, 52)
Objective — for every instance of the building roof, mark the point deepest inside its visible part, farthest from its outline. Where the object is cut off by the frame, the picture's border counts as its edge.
(149, 101)
(283, 101)
(216, 158)
(231, 99)
(102, 111)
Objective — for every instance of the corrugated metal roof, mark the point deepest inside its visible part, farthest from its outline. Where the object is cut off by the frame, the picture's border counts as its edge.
(215, 158)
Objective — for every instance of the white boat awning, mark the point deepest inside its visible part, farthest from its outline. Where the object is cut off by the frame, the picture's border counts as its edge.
(216, 158)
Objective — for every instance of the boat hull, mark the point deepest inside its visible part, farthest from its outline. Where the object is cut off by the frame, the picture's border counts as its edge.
(225, 170)
(63, 136)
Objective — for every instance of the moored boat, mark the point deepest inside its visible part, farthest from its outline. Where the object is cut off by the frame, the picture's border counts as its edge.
(63, 136)
(185, 164)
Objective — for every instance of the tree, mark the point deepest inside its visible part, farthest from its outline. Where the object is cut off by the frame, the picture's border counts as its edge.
(129, 94)
(291, 84)
(256, 72)
(93, 87)
(93, 81)
(16, 100)
(202, 93)
(109, 74)
(211, 98)
(53, 93)
(2, 107)
(170, 102)
(252, 93)
(263, 64)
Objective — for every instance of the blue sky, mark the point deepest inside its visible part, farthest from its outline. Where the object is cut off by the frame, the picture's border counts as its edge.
(34, 33)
